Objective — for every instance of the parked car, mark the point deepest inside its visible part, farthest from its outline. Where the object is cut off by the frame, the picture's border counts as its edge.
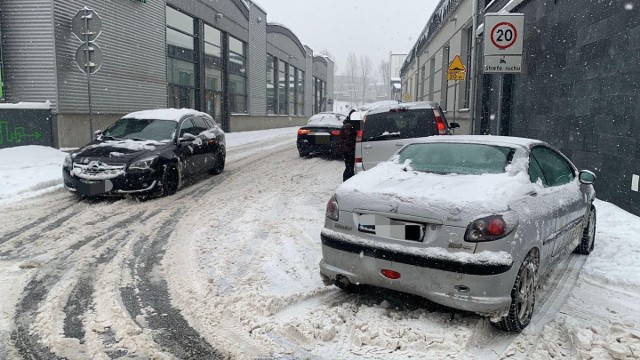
(146, 153)
(385, 129)
(469, 222)
(320, 135)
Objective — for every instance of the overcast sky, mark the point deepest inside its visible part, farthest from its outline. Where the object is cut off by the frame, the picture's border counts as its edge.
(372, 27)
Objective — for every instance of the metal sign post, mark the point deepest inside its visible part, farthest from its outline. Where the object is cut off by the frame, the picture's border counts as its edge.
(87, 26)
(455, 72)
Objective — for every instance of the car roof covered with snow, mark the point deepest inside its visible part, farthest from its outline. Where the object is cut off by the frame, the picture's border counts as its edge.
(164, 114)
(484, 139)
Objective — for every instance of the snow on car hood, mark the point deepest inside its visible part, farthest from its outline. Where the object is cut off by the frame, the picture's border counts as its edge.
(452, 199)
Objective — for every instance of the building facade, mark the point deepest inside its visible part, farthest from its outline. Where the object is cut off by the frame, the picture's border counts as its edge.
(221, 57)
(579, 88)
(449, 32)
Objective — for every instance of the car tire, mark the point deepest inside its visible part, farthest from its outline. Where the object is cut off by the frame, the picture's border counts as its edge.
(523, 296)
(303, 154)
(170, 180)
(587, 242)
(218, 167)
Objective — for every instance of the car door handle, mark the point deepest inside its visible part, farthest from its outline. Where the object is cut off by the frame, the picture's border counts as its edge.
(367, 146)
(399, 144)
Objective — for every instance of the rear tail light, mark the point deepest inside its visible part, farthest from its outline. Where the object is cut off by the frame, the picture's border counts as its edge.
(358, 160)
(442, 128)
(394, 275)
(335, 132)
(333, 210)
(359, 135)
(488, 228)
(303, 131)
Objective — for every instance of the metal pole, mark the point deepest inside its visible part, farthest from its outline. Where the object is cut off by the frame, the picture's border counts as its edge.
(455, 94)
(87, 64)
(473, 65)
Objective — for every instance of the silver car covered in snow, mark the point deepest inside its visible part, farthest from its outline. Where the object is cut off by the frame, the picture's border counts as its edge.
(470, 222)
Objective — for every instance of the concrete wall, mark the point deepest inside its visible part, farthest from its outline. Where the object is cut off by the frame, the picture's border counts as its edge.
(580, 90)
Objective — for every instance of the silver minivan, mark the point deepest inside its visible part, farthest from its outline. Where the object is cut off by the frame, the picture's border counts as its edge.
(386, 129)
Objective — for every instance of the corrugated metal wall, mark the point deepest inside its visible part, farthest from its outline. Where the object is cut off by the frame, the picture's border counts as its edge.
(257, 61)
(133, 75)
(28, 51)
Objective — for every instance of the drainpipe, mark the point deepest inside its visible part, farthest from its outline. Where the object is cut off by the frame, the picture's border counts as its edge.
(474, 66)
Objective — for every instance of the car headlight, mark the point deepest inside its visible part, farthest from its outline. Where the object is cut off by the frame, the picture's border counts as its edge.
(333, 209)
(143, 164)
(68, 163)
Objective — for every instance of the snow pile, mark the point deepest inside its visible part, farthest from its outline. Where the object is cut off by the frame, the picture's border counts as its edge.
(29, 170)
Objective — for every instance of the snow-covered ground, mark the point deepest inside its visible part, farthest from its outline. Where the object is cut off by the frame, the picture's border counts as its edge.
(234, 259)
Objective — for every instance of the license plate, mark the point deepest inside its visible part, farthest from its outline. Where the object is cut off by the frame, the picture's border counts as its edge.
(322, 138)
(95, 187)
(391, 228)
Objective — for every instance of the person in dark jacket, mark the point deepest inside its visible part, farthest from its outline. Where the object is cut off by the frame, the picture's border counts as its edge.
(347, 145)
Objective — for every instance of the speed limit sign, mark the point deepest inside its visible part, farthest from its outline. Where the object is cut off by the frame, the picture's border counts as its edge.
(503, 34)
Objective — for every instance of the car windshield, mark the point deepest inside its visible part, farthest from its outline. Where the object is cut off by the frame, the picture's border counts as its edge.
(456, 158)
(141, 129)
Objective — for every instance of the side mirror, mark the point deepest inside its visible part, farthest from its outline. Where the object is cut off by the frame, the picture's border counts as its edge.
(454, 125)
(97, 133)
(187, 137)
(586, 177)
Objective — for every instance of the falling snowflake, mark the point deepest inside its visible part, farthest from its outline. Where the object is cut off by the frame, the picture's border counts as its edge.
(492, 117)
(628, 6)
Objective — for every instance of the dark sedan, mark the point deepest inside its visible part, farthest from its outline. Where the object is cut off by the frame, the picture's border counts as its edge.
(146, 154)
(320, 135)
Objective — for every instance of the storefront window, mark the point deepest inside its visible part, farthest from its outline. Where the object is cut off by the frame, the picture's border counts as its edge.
(292, 90)
(181, 71)
(282, 88)
(271, 85)
(300, 88)
(213, 72)
(237, 76)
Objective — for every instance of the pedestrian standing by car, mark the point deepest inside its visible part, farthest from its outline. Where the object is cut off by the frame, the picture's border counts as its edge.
(347, 146)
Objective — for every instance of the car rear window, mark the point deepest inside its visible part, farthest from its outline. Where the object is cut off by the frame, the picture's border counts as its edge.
(399, 125)
(457, 158)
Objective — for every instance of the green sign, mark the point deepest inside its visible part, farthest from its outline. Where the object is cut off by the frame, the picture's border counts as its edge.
(16, 135)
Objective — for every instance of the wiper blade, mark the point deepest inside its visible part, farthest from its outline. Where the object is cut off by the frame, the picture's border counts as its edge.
(107, 137)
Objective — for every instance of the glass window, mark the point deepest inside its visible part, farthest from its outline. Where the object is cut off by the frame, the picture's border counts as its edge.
(282, 88)
(200, 125)
(300, 97)
(181, 67)
(271, 85)
(146, 129)
(236, 46)
(535, 173)
(555, 168)
(180, 21)
(452, 158)
(187, 127)
(237, 76)
(400, 125)
(179, 45)
(212, 35)
(292, 90)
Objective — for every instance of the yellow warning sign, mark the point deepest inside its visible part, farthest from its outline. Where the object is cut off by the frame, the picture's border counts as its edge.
(456, 64)
(456, 70)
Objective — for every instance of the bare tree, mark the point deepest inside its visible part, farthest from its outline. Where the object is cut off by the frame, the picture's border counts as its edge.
(365, 71)
(385, 74)
(351, 69)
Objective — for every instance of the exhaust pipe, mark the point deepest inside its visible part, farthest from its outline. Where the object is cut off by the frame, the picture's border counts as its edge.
(342, 282)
